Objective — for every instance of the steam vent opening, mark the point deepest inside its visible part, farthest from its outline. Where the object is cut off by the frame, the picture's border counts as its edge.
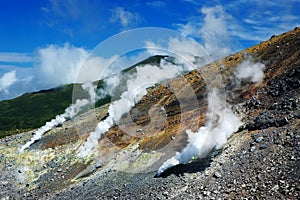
(194, 166)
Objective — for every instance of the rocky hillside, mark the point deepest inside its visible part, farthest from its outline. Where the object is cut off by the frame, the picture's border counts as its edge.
(260, 160)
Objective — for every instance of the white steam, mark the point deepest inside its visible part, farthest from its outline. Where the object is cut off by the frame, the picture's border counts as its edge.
(145, 77)
(249, 70)
(222, 122)
(188, 49)
(111, 83)
(69, 113)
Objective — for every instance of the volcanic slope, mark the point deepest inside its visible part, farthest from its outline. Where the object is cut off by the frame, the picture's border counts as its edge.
(260, 160)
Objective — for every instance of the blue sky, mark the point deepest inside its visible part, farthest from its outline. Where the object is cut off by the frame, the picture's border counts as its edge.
(43, 42)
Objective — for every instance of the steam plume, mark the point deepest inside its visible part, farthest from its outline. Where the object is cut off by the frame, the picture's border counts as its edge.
(222, 122)
(69, 113)
(145, 77)
(110, 83)
(249, 70)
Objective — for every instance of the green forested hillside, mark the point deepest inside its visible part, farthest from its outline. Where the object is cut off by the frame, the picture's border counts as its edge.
(33, 110)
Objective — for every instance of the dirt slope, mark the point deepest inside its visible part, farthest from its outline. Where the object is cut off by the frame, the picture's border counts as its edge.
(260, 161)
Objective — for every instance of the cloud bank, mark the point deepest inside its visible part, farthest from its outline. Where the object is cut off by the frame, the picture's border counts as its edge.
(53, 65)
(15, 57)
(59, 64)
(7, 80)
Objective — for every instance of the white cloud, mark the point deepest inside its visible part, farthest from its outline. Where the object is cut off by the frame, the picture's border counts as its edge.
(23, 81)
(191, 1)
(59, 64)
(7, 80)
(125, 17)
(250, 21)
(53, 65)
(95, 68)
(262, 19)
(15, 57)
(188, 29)
(69, 64)
(227, 26)
(156, 3)
(214, 31)
(155, 49)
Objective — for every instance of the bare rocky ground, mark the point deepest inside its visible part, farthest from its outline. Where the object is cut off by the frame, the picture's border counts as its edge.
(260, 161)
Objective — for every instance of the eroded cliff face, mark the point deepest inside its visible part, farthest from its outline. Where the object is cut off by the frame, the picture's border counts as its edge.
(262, 158)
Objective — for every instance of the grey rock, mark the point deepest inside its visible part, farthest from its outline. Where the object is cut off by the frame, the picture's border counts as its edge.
(165, 193)
(206, 193)
(252, 148)
(262, 146)
(275, 188)
(259, 139)
(293, 158)
(217, 174)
